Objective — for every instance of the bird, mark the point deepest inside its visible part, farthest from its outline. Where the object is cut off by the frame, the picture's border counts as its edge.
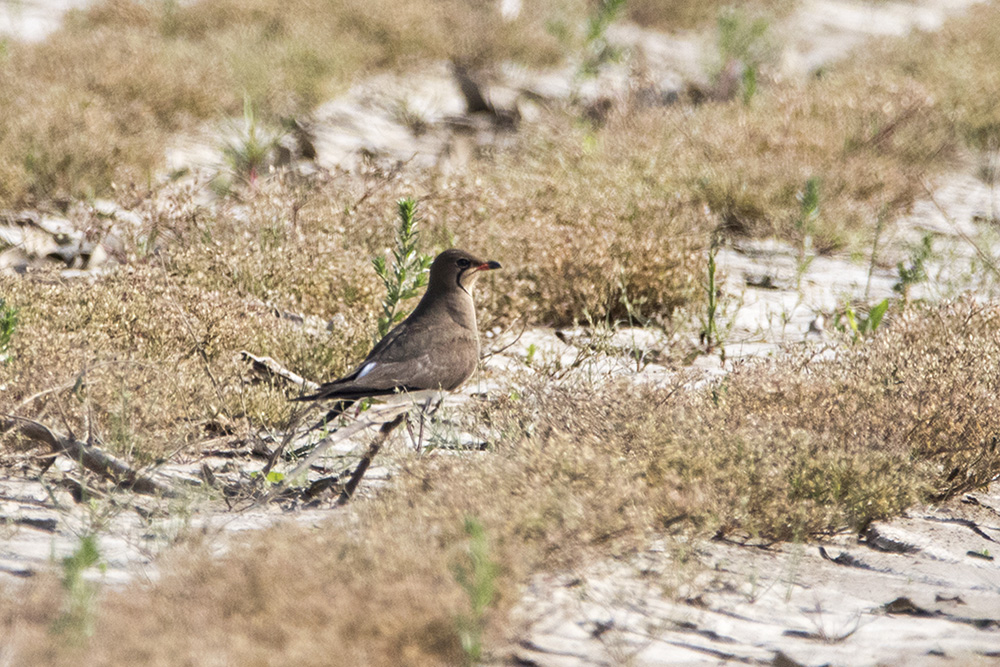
(435, 348)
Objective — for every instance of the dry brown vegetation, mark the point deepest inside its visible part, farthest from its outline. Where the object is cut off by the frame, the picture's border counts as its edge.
(95, 104)
(778, 450)
(144, 357)
(674, 15)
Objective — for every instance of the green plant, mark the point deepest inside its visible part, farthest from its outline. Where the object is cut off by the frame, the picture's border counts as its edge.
(710, 337)
(915, 272)
(597, 49)
(805, 224)
(8, 323)
(860, 324)
(880, 221)
(409, 272)
(248, 153)
(121, 433)
(529, 355)
(77, 617)
(478, 578)
(744, 42)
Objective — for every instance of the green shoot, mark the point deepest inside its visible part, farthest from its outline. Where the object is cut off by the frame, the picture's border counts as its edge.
(529, 357)
(710, 326)
(249, 153)
(77, 618)
(478, 579)
(859, 324)
(805, 225)
(808, 212)
(8, 323)
(746, 41)
(916, 271)
(409, 272)
(596, 46)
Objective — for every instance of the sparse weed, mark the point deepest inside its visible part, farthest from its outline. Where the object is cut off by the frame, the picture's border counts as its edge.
(77, 619)
(860, 324)
(121, 436)
(597, 49)
(710, 337)
(529, 355)
(805, 224)
(8, 325)
(477, 577)
(745, 45)
(914, 272)
(409, 272)
(880, 221)
(988, 172)
(251, 150)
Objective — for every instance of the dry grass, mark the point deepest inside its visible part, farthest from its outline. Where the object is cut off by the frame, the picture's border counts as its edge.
(585, 218)
(155, 359)
(131, 74)
(96, 102)
(581, 216)
(671, 15)
(779, 450)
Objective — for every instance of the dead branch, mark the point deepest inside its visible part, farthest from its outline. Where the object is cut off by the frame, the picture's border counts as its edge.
(500, 350)
(988, 260)
(366, 460)
(89, 457)
(381, 416)
(268, 367)
(45, 392)
(393, 409)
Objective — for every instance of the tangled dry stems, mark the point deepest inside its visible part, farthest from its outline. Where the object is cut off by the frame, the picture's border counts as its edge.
(783, 449)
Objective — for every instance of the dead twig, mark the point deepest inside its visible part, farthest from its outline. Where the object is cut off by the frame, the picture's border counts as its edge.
(988, 260)
(394, 409)
(45, 392)
(500, 350)
(89, 456)
(366, 460)
(268, 367)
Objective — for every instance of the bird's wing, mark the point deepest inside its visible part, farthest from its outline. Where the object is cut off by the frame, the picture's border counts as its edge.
(412, 357)
(379, 378)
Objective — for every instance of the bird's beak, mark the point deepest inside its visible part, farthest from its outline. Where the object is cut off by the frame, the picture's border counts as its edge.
(488, 266)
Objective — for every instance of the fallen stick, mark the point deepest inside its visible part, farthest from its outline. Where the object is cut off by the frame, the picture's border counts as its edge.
(347, 431)
(392, 415)
(366, 460)
(89, 457)
(269, 367)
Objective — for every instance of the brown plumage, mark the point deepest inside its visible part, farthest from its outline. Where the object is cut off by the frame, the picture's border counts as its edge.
(436, 347)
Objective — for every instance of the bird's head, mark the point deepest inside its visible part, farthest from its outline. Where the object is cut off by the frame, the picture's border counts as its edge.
(457, 267)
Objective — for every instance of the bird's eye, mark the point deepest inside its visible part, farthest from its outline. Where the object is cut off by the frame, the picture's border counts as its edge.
(464, 263)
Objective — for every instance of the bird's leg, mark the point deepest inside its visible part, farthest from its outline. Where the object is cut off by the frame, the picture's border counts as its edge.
(423, 414)
(409, 431)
